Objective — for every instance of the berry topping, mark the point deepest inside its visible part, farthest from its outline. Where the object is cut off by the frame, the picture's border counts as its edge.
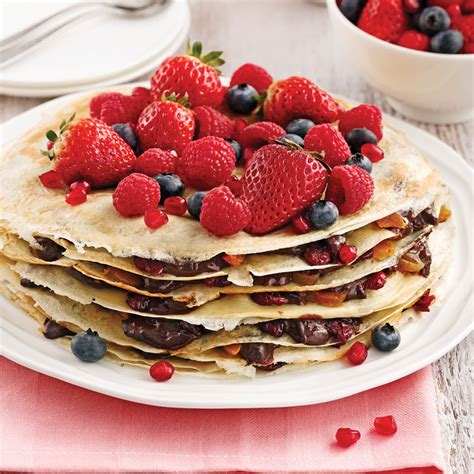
(167, 124)
(447, 42)
(142, 97)
(347, 254)
(125, 131)
(154, 218)
(76, 196)
(147, 265)
(346, 437)
(113, 107)
(260, 134)
(411, 6)
(155, 161)
(273, 203)
(385, 425)
(322, 214)
(161, 371)
(351, 9)
(363, 116)
(222, 213)
(82, 185)
(432, 20)
(300, 225)
(414, 39)
(314, 256)
(291, 137)
(357, 354)
(376, 281)
(300, 127)
(384, 19)
(253, 75)
(242, 99)
(92, 151)
(207, 162)
(170, 185)
(236, 147)
(195, 204)
(464, 24)
(175, 205)
(193, 75)
(51, 179)
(350, 188)
(298, 97)
(325, 138)
(361, 161)
(234, 183)
(88, 346)
(385, 338)
(424, 303)
(239, 125)
(372, 152)
(210, 122)
(135, 195)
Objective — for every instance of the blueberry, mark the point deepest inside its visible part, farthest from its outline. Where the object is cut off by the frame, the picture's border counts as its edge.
(236, 147)
(447, 42)
(386, 338)
(432, 20)
(358, 137)
(322, 214)
(128, 135)
(242, 99)
(88, 346)
(293, 138)
(195, 203)
(361, 161)
(170, 185)
(352, 9)
(300, 126)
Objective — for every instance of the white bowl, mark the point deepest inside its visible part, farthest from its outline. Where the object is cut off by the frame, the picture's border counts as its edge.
(430, 87)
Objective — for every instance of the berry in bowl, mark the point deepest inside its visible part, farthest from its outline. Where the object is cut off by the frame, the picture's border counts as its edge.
(418, 53)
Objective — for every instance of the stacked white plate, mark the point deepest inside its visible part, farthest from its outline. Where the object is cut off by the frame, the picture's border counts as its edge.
(95, 51)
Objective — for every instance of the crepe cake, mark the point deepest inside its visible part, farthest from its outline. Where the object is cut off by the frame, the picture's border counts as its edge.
(189, 231)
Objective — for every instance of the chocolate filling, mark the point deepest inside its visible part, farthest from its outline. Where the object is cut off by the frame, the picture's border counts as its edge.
(28, 283)
(48, 250)
(53, 330)
(260, 354)
(161, 286)
(160, 306)
(421, 249)
(85, 279)
(161, 333)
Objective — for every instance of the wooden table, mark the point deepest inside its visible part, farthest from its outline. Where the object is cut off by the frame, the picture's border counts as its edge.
(294, 37)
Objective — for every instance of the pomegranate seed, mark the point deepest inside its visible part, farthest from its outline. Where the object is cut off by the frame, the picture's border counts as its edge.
(372, 152)
(315, 257)
(453, 11)
(424, 303)
(51, 179)
(50, 145)
(376, 281)
(83, 185)
(385, 425)
(346, 437)
(176, 205)
(411, 6)
(162, 371)
(347, 254)
(357, 353)
(300, 225)
(155, 218)
(76, 197)
(147, 265)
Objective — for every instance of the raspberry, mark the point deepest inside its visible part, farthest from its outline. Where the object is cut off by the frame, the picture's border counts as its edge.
(260, 134)
(363, 116)
(325, 138)
(210, 122)
(175, 205)
(234, 183)
(414, 39)
(357, 354)
(464, 24)
(372, 152)
(350, 188)
(248, 153)
(239, 125)
(155, 218)
(52, 180)
(453, 10)
(136, 194)
(207, 162)
(113, 107)
(141, 97)
(155, 161)
(222, 213)
(253, 75)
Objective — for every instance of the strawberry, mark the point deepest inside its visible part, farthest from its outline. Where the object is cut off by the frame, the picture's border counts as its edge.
(89, 150)
(166, 124)
(253, 75)
(274, 202)
(261, 133)
(210, 122)
(464, 24)
(325, 138)
(363, 116)
(384, 19)
(191, 74)
(297, 97)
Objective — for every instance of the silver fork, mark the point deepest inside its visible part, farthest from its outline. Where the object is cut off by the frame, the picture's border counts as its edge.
(18, 44)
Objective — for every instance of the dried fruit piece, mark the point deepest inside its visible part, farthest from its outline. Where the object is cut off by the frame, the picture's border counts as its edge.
(328, 298)
(234, 260)
(232, 349)
(383, 250)
(410, 263)
(305, 278)
(393, 221)
(122, 276)
(444, 214)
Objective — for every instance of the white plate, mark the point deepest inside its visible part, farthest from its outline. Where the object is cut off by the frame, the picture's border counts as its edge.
(112, 50)
(423, 341)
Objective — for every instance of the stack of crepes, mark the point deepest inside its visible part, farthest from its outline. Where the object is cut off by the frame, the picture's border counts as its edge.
(210, 305)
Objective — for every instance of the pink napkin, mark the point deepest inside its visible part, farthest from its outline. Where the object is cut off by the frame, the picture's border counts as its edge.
(49, 425)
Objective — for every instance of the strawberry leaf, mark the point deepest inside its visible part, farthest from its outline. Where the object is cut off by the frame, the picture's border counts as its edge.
(51, 136)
